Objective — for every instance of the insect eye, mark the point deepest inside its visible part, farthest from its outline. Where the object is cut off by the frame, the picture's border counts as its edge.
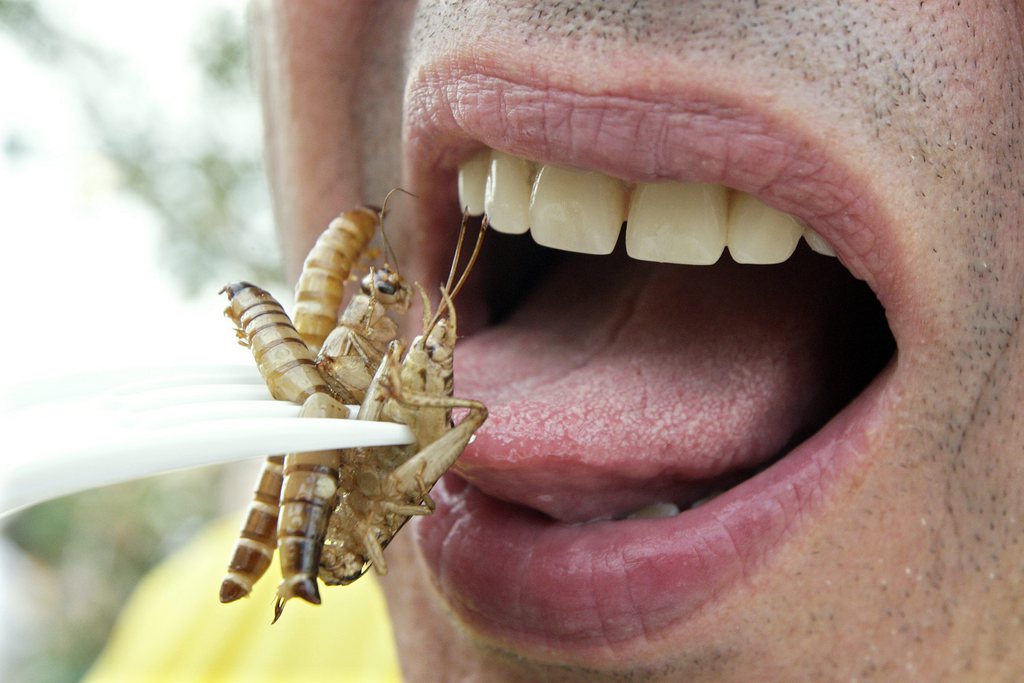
(386, 288)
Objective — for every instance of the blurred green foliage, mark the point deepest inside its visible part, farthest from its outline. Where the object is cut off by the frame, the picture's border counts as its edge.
(24, 20)
(206, 189)
(221, 52)
(205, 186)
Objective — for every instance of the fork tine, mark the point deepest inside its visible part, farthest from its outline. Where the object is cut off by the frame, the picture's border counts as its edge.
(156, 379)
(95, 382)
(57, 464)
(166, 416)
(164, 396)
(100, 429)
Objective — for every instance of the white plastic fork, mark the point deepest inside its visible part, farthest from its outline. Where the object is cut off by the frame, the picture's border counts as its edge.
(75, 433)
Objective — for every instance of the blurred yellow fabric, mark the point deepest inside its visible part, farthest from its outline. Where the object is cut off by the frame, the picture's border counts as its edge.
(174, 629)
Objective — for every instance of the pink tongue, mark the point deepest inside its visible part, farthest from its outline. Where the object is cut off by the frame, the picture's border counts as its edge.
(619, 383)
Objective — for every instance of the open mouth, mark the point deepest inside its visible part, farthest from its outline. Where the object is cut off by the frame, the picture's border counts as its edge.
(689, 378)
(661, 416)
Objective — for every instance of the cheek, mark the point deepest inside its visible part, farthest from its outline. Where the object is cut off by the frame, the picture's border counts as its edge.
(377, 107)
(424, 636)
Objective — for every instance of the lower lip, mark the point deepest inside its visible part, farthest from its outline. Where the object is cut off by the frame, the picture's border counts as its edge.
(533, 584)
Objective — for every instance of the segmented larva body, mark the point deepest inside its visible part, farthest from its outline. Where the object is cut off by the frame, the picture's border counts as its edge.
(288, 367)
(254, 548)
(294, 521)
(310, 488)
(283, 359)
(320, 289)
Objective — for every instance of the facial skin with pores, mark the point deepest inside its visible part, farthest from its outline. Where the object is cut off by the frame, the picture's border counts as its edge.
(863, 516)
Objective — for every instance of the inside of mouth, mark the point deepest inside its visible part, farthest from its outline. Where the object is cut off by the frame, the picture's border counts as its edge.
(831, 329)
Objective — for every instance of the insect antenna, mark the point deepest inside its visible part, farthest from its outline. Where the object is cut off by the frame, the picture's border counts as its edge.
(458, 250)
(472, 257)
(446, 303)
(389, 253)
(448, 292)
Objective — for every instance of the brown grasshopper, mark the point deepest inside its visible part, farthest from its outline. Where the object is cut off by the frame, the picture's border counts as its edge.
(384, 487)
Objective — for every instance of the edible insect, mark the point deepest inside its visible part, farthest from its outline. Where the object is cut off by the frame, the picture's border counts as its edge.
(308, 495)
(288, 367)
(282, 357)
(350, 361)
(383, 487)
(328, 266)
(350, 355)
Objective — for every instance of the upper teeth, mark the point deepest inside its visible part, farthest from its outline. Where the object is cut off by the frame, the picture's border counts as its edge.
(671, 222)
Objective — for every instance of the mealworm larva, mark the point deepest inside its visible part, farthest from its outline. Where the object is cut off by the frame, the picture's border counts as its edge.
(283, 358)
(254, 548)
(321, 285)
(348, 360)
(287, 365)
(310, 487)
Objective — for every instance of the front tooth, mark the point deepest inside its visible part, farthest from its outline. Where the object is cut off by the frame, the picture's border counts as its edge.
(758, 233)
(473, 181)
(507, 194)
(677, 222)
(654, 511)
(817, 243)
(579, 211)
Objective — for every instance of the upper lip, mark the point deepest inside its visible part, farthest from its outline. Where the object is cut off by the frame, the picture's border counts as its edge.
(694, 132)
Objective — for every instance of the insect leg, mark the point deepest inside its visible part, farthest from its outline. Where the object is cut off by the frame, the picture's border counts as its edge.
(406, 509)
(376, 396)
(435, 459)
(424, 491)
(375, 552)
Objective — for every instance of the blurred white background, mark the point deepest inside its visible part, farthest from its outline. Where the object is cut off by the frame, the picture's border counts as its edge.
(82, 268)
(130, 191)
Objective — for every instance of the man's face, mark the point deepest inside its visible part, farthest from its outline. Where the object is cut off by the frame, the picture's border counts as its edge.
(841, 437)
